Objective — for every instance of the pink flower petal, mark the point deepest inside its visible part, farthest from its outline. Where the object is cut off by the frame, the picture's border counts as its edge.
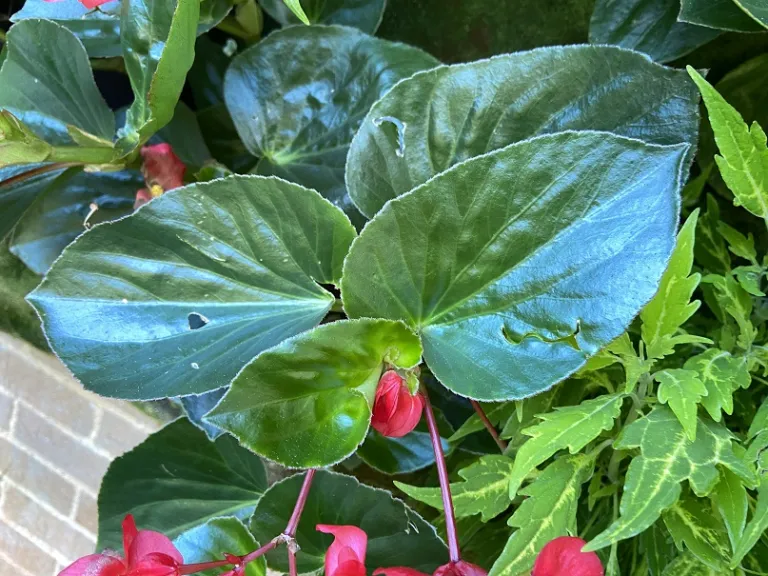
(95, 565)
(129, 533)
(563, 557)
(90, 4)
(155, 564)
(153, 547)
(350, 544)
(460, 568)
(398, 571)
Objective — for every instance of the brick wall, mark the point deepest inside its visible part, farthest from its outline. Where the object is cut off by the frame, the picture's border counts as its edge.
(56, 441)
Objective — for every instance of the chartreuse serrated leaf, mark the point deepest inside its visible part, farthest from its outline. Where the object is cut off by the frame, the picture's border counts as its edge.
(441, 117)
(672, 305)
(730, 499)
(694, 526)
(323, 382)
(483, 270)
(177, 480)
(682, 390)
(158, 39)
(756, 526)
(396, 534)
(737, 303)
(485, 489)
(208, 541)
(667, 458)
(760, 420)
(298, 97)
(634, 364)
(53, 79)
(176, 298)
(548, 511)
(743, 162)
(571, 427)
(686, 564)
(710, 249)
(363, 14)
(722, 374)
(719, 14)
(742, 246)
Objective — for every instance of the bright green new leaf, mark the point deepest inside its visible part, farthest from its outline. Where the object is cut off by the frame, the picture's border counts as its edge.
(480, 259)
(730, 499)
(177, 480)
(52, 78)
(682, 390)
(207, 542)
(722, 374)
(672, 305)
(695, 527)
(742, 246)
(634, 364)
(485, 489)
(444, 116)
(667, 458)
(743, 162)
(548, 511)
(750, 278)
(298, 97)
(363, 14)
(158, 39)
(298, 11)
(737, 302)
(571, 427)
(397, 535)
(19, 144)
(719, 14)
(755, 528)
(176, 298)
(323, 382)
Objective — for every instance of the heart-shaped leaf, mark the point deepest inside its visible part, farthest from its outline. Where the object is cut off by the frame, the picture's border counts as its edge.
(441, 117)
(518, 265)
(176, 298)
(298, 97)
(323, 382)
(177, 480)
(363, 14)
(397, 536)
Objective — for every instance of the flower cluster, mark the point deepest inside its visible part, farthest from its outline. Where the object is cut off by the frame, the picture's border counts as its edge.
(162, 170)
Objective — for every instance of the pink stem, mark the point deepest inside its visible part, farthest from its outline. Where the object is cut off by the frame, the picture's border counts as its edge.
(293, 523)
(490, 427)
(292, 570)
(442, 474)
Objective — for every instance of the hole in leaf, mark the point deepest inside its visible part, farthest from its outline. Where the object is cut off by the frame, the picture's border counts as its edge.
(400, 137)
(570, 339)
(196, 320)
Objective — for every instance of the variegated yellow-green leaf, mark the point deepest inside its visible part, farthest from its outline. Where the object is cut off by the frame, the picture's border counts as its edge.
(730, 498)
(695, 527)
(682, 390)
(548, 511)
(571, 427)
(742, 246)
(757, 525)
(667, 457)
(722, 374)
(743, 162)
(737, 303)
(688, 565)
(484, 490)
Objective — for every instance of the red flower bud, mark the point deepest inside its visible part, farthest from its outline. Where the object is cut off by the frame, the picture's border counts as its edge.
(563, 557)
(162, 167)
(346, 556)
(460, 568)
(395, 411)
(90, 4)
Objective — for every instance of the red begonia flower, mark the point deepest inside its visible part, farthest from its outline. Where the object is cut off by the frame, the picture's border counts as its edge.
(346, 556)
(90, 4)
(460, 568)
(147, 553)
(162, 170)
(395, 411)
(563, 557)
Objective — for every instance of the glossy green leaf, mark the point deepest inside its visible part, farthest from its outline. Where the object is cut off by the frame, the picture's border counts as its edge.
(208, 541)
(549, 511)
(649, 26)
(158, 40)
(18, 143)
(755, 9)
(682, 390)
(695, 527)
(397, 536)
(719, 14)
(484, 489)
(176, 298)
(184, 135)
(53, 78)
(688, 565)
(667, 457)
(760, 421)
(363, 14)
(730, 499)
(403, 455)
(17, 317)
(177, 480)
(296, 9)
(478, 259)
(755, 528)
(722, 375)
(298, 97)
(444, 116)
(17, 197)
(571, 427)
(323, 382)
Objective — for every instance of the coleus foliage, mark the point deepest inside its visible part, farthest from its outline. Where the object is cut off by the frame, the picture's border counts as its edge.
(527, 231)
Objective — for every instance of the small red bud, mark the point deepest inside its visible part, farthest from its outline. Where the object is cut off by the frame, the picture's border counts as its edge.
(460, 568)
(563, 557)
(395, 411)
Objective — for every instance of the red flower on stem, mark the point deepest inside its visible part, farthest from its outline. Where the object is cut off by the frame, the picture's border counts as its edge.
(90, 4)
(162, 170)
(346, 556)
(460, 568)
(563, 557)
(395, 410)
(147, 553)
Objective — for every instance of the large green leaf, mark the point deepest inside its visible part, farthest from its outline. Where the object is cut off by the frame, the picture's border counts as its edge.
(16, 198)
(177, 297)
(158, 40)
(441, 117)
(298, 97)
(650, 26)
(17, 317)
(481, 260)
(323, 382)
(549, 511)
(668, 457)
(397, 536)
(177, 480)
(53, 78)
(363, 14)
(210, 540)
(719, 14)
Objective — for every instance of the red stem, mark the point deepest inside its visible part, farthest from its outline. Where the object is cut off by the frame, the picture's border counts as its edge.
(293, 523)
(292, 570)
(442, 474)
(490, 427)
